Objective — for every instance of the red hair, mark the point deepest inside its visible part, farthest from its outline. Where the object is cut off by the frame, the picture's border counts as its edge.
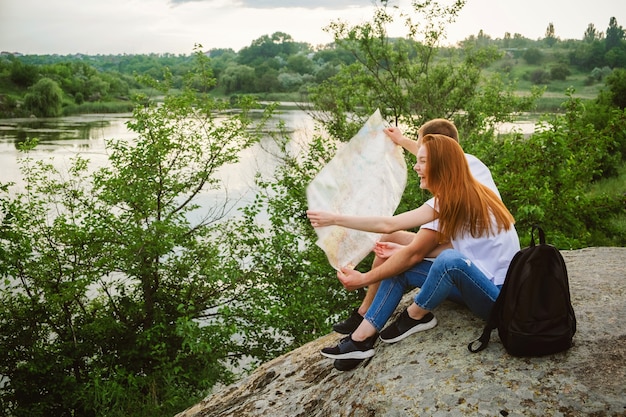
(464, 204)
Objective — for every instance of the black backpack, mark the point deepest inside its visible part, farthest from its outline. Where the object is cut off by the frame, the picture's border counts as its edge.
(533, 312)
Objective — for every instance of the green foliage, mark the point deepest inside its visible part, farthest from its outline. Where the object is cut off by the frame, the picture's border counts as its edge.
(559, 71)
(410, 82)
(276, 65)
(120, 299)
(299, 293)
(614, 34)
(545, 178)
(539, 76)
(112, 292)
(410, 79)
(22, 74)
(533, 56)
(266, 47)
(616, 93)
(44, 99)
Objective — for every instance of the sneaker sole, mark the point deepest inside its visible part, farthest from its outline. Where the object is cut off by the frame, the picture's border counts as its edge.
(415, 329)
(347, 364)
(351, 355)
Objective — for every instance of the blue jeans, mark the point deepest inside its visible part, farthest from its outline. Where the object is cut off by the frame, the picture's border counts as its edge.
(451, 276)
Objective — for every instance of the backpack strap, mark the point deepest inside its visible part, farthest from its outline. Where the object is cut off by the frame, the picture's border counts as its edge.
(482, 342)
(542, 235)
(492, 323)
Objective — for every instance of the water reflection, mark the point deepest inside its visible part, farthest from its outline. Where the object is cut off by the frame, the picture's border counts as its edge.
(62, 138)
(52, 131)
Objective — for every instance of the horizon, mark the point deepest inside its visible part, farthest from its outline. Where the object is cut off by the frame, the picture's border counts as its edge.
(68, 27)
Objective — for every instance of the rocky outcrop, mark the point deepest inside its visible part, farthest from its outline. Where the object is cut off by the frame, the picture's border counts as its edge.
(433, 373)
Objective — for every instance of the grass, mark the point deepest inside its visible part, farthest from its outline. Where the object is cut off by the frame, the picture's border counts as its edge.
(615, 186)
(610, 186)
(99, 107)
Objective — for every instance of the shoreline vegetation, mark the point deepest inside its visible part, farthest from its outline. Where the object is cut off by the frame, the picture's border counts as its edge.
(276, 68)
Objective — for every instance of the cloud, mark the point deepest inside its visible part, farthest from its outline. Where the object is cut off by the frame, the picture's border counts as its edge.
(306, 4)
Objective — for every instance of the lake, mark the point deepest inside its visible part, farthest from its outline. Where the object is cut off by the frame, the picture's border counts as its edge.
(62, 138)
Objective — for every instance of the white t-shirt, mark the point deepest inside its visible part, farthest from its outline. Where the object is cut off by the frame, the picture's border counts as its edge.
(491, 254)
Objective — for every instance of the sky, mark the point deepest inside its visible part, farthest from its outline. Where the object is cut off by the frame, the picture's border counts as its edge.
(176, 26)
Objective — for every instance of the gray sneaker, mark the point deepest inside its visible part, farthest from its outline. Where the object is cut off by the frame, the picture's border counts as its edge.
(350, 349)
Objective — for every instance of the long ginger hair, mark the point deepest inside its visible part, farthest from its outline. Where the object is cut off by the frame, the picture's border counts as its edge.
(464, 204)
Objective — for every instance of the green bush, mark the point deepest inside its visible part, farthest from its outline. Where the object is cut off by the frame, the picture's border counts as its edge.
(112, 296)
(44, 99)
(546, 177)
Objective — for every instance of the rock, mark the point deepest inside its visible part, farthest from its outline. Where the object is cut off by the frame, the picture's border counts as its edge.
(434, 374)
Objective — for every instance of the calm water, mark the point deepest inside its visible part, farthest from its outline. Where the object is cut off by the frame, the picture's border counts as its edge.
(62, 138)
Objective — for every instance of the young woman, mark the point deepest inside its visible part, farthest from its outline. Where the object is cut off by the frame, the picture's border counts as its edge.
(472, 220)
(394, 228)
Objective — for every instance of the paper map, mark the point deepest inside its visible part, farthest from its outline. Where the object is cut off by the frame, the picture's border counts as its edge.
(366, 177)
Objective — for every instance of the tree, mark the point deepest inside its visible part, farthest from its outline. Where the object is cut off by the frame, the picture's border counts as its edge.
(114, 284)
(616, 83)
(559, 71)
(300, 64)
(614, 35)
(24, 75)
(406, 78)
(237, 78)
(616, 58)
(592, 34)
(267, 47)
(544, 178)
(588, 55)
(550, 38)
(44, 99)
(410, 82)
(507, 40)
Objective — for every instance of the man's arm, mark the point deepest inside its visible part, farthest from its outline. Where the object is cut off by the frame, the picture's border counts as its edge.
(399, 139)
(423, 244)
(375, 224)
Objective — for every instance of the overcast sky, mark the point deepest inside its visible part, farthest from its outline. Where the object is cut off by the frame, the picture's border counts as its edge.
(175, 26)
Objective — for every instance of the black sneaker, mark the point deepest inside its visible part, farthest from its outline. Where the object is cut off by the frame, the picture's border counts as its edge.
(350, 324)
(405, 326)
(349, 349)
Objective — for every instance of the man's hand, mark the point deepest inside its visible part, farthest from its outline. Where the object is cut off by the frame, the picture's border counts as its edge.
(350, 278)
(394, 134)
(398, 138)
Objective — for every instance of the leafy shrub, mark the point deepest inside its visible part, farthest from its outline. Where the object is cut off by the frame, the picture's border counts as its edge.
(532, 56)
(111, 296)
(44, 99)
(539, 76)
(559, 72)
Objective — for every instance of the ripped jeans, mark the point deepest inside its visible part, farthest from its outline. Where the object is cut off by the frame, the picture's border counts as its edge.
(451, 276)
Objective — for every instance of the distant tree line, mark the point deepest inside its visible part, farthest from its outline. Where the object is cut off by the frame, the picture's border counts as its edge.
(271, 65)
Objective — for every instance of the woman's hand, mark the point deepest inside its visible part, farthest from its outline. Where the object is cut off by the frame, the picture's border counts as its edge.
(384, 250)
(320, 218)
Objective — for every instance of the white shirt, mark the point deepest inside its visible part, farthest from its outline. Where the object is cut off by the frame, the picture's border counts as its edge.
(491, 254)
